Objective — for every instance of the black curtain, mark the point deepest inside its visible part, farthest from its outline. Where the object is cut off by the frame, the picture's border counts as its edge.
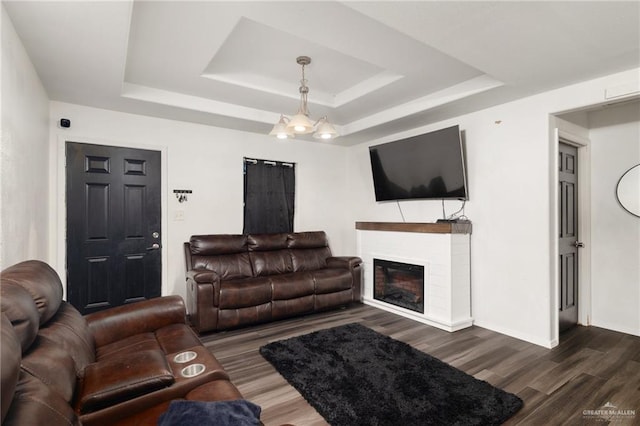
(269, 193)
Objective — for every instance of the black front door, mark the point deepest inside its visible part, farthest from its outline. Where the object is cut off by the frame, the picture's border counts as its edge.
(113, 225)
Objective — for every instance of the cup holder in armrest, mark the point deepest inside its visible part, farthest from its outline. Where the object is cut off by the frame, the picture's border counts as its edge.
(192, 370)
(183, 357)
(184, 367)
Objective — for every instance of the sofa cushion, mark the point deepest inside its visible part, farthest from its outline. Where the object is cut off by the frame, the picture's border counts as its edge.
(36, 403)
(231, 318)
(131, 344)
(210, 245)
(289, 286)
(289, 307)
(69, 330)
(331, 280)
(245, 292)
(271, 262)
(309, 259)
(331, 300)
(9, 364)
(44, 354)
(228, 267)
(267, 242)
(304, 240)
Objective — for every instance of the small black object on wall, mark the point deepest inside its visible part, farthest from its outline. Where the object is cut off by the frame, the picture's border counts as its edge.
(65, 123)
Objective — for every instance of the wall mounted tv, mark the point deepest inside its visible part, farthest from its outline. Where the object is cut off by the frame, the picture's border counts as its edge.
(428, 166)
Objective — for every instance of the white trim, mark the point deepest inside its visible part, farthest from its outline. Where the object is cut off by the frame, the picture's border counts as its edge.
(618, 327)
(58, 201)
(554, 301)
(531, 338)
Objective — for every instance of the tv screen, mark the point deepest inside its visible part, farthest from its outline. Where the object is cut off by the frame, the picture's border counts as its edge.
(428, 166)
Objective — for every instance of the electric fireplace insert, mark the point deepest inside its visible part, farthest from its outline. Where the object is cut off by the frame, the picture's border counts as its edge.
(399, 284)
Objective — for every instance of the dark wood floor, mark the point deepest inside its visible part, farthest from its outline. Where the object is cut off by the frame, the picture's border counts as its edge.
(590, 368)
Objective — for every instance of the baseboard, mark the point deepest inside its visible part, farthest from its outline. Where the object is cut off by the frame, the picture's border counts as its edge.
(536, 340)
(615, 327)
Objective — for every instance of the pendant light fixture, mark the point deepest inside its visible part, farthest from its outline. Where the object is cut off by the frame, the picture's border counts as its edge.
(300, 123)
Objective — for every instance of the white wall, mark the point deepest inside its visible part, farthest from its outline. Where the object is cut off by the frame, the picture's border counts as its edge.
(510, 159)
(208, 161)
(615, 234)
(24, 155)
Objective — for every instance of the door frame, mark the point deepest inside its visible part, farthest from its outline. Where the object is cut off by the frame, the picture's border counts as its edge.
(58, 202)
(584, 229)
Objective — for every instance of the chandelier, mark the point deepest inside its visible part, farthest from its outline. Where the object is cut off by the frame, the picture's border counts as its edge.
(300, 123)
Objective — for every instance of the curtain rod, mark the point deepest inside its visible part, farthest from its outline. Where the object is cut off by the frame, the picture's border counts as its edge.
(268, 162)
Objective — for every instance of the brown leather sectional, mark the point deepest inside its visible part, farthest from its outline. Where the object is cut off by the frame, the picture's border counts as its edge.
(114, 367)
(237, 280)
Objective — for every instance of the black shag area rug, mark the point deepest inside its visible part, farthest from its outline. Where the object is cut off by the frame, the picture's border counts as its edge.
(353, 375)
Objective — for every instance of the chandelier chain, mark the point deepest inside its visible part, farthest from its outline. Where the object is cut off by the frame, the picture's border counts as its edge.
(304, 91)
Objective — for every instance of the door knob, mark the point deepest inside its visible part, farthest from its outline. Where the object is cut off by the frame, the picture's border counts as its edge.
(154, 246)
(578, 244)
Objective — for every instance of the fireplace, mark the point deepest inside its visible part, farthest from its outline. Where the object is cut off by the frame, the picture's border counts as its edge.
(443, 251)
(399, 284)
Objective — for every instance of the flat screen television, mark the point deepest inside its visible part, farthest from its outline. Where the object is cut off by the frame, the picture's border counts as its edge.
(427, 166)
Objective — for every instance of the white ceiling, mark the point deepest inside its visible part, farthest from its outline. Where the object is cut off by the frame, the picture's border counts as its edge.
(377, 67)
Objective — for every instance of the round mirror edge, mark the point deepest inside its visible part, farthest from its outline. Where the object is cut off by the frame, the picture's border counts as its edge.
(626, 173)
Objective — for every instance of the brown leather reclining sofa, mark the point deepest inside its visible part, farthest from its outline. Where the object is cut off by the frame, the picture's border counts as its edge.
(113, 367)
(236, 280)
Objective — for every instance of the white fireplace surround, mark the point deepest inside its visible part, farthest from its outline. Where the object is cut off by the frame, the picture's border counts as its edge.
(443, 251)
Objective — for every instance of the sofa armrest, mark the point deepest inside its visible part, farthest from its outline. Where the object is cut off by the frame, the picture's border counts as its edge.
(348, 262)
(119, 379)
(354, 264)
(202, 276)
(121, 322)
(203, 294)
(203, 287)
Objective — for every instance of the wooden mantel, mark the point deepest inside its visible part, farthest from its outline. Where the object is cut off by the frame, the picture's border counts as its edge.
(426, 228)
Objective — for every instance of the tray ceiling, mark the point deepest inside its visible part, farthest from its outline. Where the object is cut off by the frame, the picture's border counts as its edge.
(378, 68)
